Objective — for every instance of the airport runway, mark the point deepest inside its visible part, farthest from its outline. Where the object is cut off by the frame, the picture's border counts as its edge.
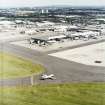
(64, 71)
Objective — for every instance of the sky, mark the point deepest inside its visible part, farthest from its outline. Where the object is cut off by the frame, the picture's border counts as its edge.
(33, 3)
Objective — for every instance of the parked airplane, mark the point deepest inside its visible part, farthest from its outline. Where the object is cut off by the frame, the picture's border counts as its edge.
(45, 76)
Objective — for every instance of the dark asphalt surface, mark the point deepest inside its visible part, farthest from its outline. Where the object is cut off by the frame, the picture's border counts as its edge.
(64, 71)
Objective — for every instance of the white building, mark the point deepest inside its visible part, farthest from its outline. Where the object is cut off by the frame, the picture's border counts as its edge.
(44, 11)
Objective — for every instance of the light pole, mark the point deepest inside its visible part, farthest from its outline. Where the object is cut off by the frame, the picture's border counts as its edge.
(32, 80)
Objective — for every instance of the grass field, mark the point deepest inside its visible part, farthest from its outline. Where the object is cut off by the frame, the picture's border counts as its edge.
(12, 67)
(65, 94)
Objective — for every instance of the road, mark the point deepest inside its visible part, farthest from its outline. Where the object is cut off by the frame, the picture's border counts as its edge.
(64, 71)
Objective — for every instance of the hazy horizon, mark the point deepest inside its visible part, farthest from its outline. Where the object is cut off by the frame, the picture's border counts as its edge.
(35, 3)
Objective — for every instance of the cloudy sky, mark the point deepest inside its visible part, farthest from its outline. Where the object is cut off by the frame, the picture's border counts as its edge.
(19, 3)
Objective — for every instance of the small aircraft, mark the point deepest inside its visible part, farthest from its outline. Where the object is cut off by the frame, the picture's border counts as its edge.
(45, 76)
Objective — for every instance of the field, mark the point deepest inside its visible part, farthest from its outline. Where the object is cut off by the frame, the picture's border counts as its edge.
(13, 67)
(62, 94)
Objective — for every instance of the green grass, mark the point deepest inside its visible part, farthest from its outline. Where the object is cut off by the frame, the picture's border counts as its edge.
(13, 67)
(63, 94)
